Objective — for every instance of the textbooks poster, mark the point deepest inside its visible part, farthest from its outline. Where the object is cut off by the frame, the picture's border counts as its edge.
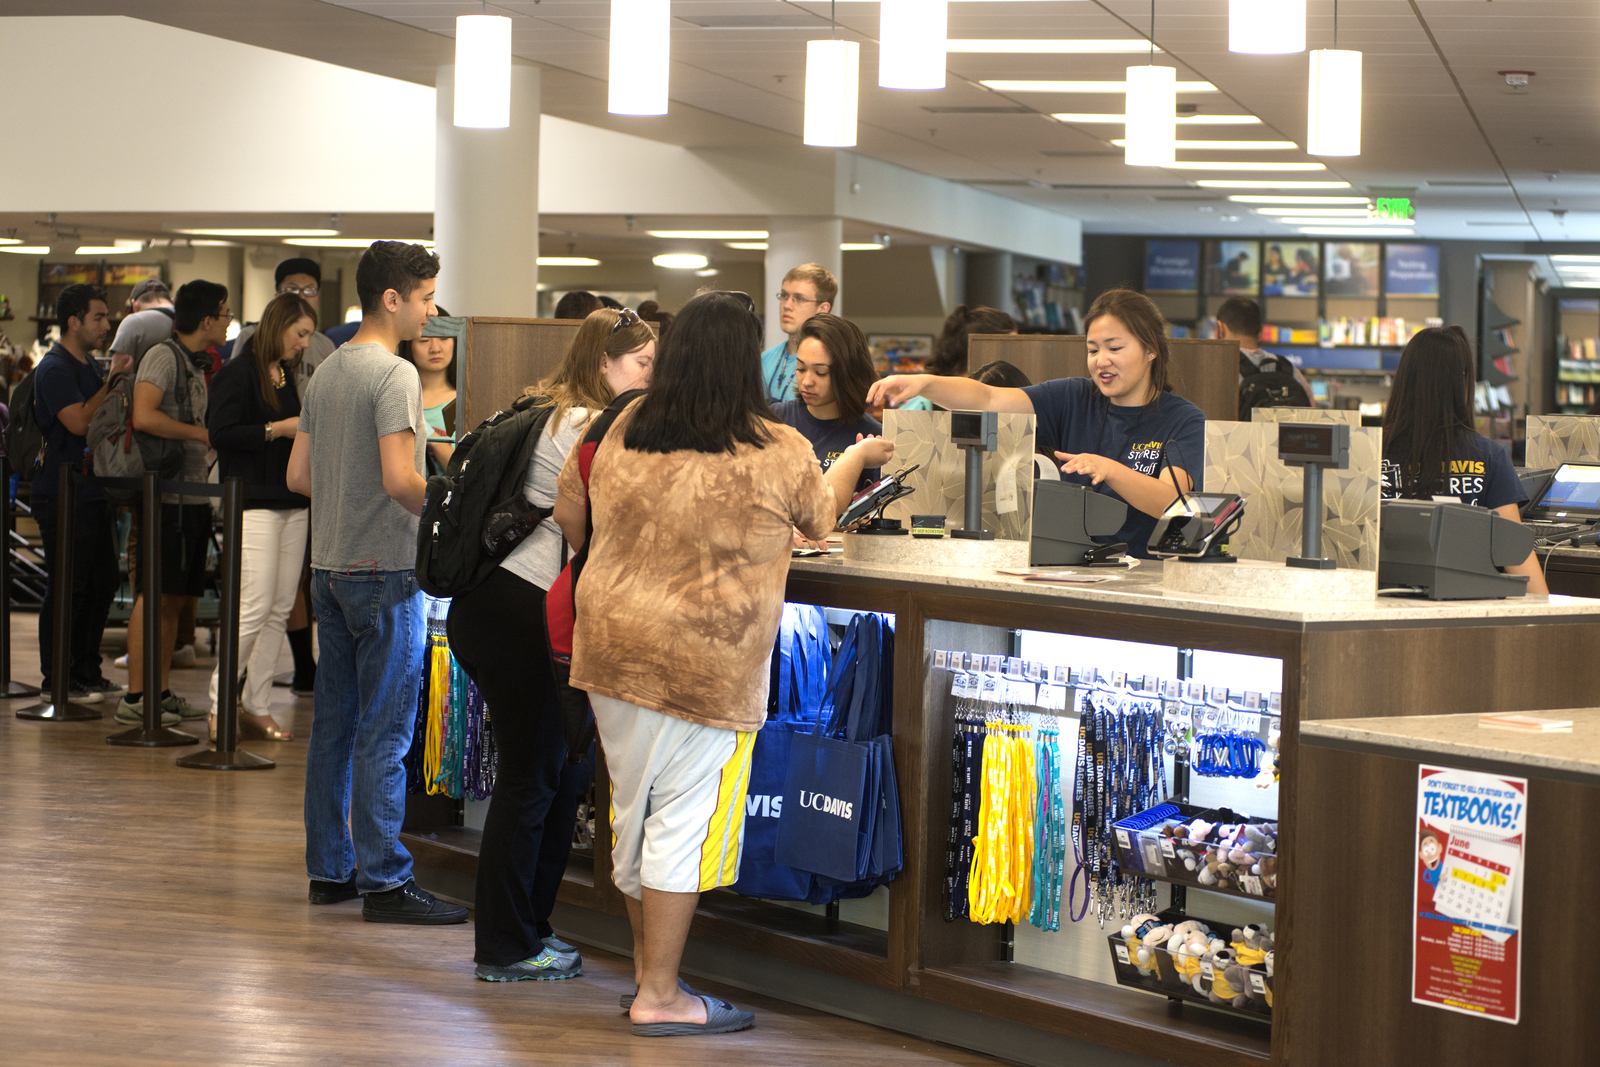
(1466, 953)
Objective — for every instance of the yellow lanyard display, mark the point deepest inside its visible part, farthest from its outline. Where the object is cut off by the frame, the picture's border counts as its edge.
(438, 713)
(1000, 888)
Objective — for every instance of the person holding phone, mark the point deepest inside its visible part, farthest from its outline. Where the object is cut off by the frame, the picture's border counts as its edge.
(1121, 430)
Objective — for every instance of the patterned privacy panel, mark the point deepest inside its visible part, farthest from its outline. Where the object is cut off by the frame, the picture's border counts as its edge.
(1557, 439)
(1242, 458)
(1349, 416)
(923, 437)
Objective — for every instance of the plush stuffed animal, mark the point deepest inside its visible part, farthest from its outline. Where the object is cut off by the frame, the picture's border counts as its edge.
(1187, 955)
(1143, 935)
(1250, 945)
(1228, 983)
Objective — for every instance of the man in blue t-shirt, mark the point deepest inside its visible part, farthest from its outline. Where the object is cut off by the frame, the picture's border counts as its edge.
(68, 389)
(807, 290)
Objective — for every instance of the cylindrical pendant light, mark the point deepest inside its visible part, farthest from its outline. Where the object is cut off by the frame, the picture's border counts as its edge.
(1333, 120)
(483, 72)
(1152, 108)
(641, 55)
(833, 91)
(1267, 27)
(912, 37)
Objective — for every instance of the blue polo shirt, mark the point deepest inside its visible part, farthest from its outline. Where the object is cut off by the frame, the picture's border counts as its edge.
(777, 372)
(60, 381)
(1074, 417)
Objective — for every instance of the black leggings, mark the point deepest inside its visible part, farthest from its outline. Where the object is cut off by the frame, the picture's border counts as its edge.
(497, 633)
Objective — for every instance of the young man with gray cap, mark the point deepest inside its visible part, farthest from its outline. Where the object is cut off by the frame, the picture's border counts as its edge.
(149, 323)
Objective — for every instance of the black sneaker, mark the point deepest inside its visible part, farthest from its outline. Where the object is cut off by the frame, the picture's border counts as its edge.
(77, 693)
(411, 906)
(105, 687)
(323, 892)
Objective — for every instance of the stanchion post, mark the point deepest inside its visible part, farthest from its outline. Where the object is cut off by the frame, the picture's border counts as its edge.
(225, 757)
(8, 688)
(59, 708)
(151, 734)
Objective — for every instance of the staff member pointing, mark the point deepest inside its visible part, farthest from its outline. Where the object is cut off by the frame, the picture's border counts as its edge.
(1115, 430)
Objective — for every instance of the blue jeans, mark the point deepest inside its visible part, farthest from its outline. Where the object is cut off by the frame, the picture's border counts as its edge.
(370, 634)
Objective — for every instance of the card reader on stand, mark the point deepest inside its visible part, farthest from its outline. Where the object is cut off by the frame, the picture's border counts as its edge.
(872, 500)
(1196, 526)
(1313, 446)
(975, 432)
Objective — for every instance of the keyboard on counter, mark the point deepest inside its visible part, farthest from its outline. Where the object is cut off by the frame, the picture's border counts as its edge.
(1556, 531)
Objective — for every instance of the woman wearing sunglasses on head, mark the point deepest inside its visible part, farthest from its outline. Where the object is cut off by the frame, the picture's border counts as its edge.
(497, 633)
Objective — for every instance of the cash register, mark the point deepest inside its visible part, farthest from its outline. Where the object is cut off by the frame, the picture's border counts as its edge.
(1450, 551)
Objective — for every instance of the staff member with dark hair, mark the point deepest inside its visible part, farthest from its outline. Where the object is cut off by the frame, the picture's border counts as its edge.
(1430, 446)
(1116, 430)
(833, 371)
(695, 492)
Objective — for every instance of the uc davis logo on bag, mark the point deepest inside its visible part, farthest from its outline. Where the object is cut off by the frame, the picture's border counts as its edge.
(763, 807)
(827, 805)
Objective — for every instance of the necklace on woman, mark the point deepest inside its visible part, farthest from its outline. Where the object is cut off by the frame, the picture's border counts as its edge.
(278, 376)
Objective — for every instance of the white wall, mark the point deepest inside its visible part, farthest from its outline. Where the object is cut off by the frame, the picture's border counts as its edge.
(276, 132)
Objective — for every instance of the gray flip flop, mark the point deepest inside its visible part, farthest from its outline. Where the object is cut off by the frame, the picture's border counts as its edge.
(721, 1018)
(627, 999)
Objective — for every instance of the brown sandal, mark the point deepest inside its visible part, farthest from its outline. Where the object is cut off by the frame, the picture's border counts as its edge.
(261, 728)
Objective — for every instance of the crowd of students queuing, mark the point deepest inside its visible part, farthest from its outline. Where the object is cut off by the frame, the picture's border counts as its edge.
(720, 460)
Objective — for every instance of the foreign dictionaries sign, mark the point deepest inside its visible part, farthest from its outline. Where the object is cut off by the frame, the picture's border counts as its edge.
(1466, 953)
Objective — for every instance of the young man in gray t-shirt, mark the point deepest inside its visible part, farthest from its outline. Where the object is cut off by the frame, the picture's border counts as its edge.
(169, 404)
(358, 455)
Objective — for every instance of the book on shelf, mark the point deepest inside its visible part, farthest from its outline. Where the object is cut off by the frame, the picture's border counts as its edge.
(1526, 723)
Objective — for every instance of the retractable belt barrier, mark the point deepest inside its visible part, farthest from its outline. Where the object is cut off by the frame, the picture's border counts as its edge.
(150, 733)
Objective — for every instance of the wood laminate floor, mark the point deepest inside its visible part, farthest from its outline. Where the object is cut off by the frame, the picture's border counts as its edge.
(158, 915)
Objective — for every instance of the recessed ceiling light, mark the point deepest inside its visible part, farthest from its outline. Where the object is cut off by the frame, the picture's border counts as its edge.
(709, 272)
(26, 250)
(102, 250)
(348, 242)
(1100, 118)
(1576, 259)
(1249, 198)
(1189, 164)
(257, 231)
(860, 246)
(1229, 146)
(749, 246)
(1353, 231)
(1083, 87)
(1063, 48)
(1245, 183)
(1340, 212)
(568, 261)
(10, 240)
(1318, 218)
(681, 261)
(711, 235)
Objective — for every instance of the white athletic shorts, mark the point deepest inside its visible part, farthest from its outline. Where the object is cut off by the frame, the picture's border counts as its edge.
(677, 798)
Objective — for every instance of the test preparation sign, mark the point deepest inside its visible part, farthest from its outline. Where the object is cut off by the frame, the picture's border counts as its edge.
(1411, 270)
(1171, 266)
(1466, 953)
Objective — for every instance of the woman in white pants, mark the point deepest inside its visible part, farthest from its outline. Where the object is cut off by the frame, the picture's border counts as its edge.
(254, 409)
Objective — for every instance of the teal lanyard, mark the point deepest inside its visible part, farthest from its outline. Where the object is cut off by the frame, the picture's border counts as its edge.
(1050, 834)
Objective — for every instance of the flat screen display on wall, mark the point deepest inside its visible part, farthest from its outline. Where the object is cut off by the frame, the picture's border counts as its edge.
(1411, 270)
(1233, 267)
(1289, 268)
(1171, 266)
(1351, 269)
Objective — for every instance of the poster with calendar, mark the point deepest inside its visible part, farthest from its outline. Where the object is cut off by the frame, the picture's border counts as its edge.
(1466, 955)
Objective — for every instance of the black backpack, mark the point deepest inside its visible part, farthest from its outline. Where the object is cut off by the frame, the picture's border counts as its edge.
(1260, 387)
(24, 439)
(475, 513)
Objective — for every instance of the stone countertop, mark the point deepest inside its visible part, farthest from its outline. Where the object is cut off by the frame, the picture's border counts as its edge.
(1458, 740)
(1140, 591)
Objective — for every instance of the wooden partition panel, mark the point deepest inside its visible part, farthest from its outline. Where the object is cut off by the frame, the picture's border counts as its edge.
(505, 356)
(1205, 373)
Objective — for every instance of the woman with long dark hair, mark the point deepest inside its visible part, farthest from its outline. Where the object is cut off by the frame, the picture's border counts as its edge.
(949, 359)
(694, 494)
(498, 636)
(1430, 445)
(832, 372)
(253, 413)
(434, 356)
(1121, 430)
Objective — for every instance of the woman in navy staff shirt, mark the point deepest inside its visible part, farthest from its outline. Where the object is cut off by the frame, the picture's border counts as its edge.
(1116, 429)
(1430, 446)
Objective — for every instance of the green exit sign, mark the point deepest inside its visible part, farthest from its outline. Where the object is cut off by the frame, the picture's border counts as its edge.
(1396, 207)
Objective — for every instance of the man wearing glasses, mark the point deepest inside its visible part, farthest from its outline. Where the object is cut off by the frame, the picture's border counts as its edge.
(302, 277)
(807, 290)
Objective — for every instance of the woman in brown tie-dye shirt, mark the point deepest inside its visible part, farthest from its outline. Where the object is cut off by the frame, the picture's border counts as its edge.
(695, 494)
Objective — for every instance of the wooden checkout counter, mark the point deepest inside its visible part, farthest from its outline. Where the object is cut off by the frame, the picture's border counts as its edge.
(1369, 660)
